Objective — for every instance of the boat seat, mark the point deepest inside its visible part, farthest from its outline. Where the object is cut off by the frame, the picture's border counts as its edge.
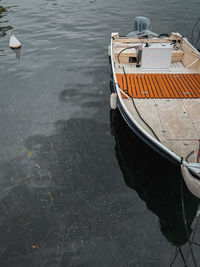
(160, 85)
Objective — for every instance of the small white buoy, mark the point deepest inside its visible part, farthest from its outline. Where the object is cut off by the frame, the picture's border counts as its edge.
(113, 101)
(14, 43)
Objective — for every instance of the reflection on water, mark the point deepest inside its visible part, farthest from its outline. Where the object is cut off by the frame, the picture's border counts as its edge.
(157, 182)
(4, 29)
(17, 51)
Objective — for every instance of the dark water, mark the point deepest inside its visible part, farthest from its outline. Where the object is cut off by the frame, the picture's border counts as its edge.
(72, 194)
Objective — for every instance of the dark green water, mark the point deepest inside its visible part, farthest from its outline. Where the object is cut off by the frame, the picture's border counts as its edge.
(72, 194)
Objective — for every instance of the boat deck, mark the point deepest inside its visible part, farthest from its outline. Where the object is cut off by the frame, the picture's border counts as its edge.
(175, 122)
(160, 85)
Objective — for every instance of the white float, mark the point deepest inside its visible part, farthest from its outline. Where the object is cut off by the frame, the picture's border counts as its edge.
(109, 50)
(14, 43)
(113, 101)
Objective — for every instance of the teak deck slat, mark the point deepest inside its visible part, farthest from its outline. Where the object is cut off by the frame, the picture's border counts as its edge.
(133, 86)
(160, 85)
(192, 82)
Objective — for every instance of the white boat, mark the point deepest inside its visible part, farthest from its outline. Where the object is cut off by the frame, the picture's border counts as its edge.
(157, 90)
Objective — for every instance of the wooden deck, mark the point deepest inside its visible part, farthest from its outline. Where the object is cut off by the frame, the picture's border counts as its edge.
(175, 122)
(163, 85)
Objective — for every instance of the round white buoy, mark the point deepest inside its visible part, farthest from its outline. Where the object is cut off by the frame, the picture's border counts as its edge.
(109, 50)
(14, 43)
(113, 101)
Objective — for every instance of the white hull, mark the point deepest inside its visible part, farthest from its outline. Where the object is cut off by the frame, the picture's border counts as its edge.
(172, 133)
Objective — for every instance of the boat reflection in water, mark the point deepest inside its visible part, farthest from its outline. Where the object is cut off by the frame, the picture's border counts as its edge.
(158, 183)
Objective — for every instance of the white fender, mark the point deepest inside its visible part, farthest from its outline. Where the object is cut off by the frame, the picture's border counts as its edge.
(113, 101)
(109, 51)
(192, 183)
(14, 43)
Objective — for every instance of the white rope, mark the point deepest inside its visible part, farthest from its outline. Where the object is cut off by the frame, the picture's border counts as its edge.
(192, 63)
(124, 93)
(192, 51)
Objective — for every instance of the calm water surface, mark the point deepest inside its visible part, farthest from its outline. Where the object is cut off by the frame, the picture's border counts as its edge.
(72, 193)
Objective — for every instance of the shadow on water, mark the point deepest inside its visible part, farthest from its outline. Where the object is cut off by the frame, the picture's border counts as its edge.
(157, 181)
(3, 13)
